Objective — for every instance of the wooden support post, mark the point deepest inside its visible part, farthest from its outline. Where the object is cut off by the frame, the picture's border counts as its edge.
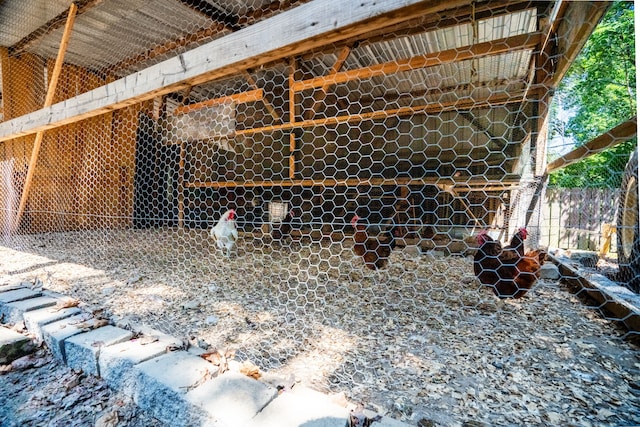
(265, 101)
(47, 103)
(181, 185)
(607, 233)
(342, 58)
(292, 120)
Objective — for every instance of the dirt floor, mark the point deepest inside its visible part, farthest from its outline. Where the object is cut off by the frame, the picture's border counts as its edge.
(419, 340)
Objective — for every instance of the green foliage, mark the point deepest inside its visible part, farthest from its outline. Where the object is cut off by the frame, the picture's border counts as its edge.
(602, 170)
(600, 92)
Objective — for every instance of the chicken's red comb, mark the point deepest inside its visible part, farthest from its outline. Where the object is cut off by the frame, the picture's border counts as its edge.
(355, 219)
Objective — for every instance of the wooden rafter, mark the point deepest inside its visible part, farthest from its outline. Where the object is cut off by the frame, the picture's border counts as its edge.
(433, 108)
(479, 184)
(237, 98)
(620, 133)
(212, 60)
(265, 101)
(218, 28)
(320, 97)
(454, 15)
(230, 21)
(51, 91)
(495, 47)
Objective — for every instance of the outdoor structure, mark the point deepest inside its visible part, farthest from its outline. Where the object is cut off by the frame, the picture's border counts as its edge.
(129, 127)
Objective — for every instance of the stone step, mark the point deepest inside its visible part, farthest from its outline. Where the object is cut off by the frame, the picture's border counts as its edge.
(13, 345)
(82, 350)
(12, 312)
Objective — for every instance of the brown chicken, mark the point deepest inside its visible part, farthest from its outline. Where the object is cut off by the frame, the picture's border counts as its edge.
(510, 272)
(375, 251)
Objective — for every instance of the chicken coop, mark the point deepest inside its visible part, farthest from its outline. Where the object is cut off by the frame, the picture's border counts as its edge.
(129, 127)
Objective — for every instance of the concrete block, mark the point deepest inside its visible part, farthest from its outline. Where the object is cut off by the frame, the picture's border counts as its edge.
(17, 295)
(11, 287)
(162, 383)
(34, 320)
(13, 345)
(549, 271)
(82, 350)
(54, 334)
(116, 362)
(232, 399)
(301, 407)
(13, 312)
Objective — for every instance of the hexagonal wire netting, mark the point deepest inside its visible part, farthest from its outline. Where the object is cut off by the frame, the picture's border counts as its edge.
(429, 130)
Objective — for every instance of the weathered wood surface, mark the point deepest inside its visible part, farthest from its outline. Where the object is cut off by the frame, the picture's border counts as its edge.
(310, 26)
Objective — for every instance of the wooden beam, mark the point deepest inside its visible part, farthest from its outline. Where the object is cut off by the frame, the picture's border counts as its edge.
(237, 98)
(207, 9)
(434, 108)
(495, 47)
(293, 65)
(317, 23)
(478, 184)
(622, 132)
(265, 101)
(319, 99)
(51, 91)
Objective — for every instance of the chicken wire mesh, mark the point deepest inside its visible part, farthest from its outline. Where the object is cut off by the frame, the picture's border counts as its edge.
(429, 130)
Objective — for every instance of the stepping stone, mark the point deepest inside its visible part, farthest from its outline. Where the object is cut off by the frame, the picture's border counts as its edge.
(116, 362)
(54, 334)
(82, 350)
(163, 382)
(232, 398)
(13, 312)
(34, 320)
(301, 407)
(13, 345)
(17, 295)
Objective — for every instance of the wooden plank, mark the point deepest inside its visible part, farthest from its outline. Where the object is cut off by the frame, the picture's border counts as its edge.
(495, 183)
(265, 101)
(620, 133)
(237, 98)
(434, 108)
(319, 98)
(47, 102)
(292, 118)
(317, 23)
(495, 47)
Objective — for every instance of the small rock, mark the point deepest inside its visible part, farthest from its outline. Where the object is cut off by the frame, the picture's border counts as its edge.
(412, 250)
(108, 291)
(190, 305)
(213, 287)
(212, 320)
(134, 279)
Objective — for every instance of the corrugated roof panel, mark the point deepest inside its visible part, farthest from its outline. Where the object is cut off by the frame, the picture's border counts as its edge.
(20, 18)
(116, 30)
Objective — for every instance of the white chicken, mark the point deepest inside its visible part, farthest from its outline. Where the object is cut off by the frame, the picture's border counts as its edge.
(225, 232)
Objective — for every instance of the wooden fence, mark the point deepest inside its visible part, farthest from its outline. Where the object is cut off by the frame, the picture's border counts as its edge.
(572, 218)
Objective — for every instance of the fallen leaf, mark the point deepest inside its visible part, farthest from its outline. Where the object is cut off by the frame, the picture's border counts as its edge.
(110, 419)
(67, 303)
(249, 369)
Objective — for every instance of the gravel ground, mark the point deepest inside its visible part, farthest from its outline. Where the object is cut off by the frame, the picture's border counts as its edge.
(48, 393)
(420, 340)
